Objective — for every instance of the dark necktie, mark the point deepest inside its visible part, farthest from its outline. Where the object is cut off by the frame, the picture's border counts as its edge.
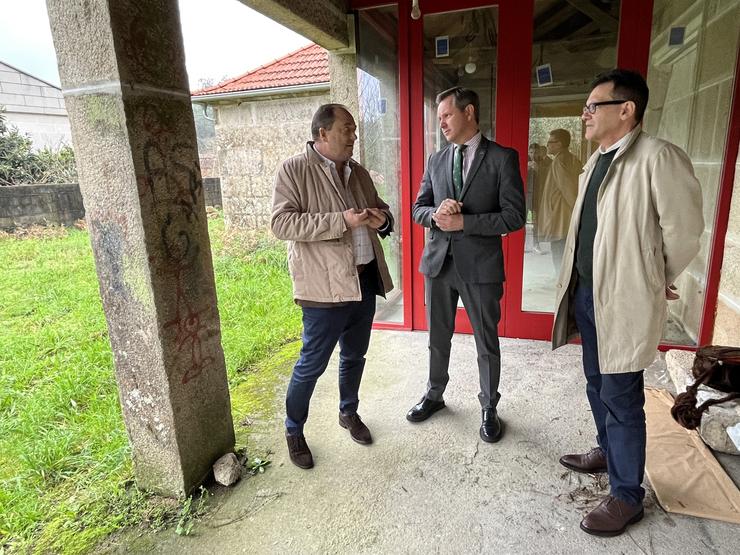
(457, 170)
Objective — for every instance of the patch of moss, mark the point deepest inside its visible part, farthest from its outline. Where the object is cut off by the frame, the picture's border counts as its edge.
(255, 399)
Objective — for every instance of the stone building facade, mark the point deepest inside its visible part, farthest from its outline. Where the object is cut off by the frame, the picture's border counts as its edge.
(262, 118)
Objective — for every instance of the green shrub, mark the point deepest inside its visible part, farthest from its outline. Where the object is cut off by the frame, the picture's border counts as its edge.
(19, 164)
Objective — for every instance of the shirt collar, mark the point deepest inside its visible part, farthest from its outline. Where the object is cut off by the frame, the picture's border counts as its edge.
(347, 165)
(474, 141)
(615, 146)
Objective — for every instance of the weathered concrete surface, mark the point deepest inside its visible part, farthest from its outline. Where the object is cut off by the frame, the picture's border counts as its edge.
(122, 68)
(343, 77)
(435, 487)
(324, 21)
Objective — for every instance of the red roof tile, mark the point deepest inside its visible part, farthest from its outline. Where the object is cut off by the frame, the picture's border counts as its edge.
(306, 66)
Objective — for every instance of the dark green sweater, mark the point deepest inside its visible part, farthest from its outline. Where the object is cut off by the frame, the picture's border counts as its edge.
(588, 223)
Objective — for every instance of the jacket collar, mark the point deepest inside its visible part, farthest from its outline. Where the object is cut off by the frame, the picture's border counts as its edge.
(480, 153)
(632, 138)
(315, 158)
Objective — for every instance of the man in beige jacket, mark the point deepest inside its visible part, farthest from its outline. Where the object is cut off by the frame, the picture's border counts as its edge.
(558, 194)
(326, 206)
(635, 227)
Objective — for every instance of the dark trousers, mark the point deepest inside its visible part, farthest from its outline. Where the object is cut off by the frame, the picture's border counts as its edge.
(481, 301)
(323, 328)
(617, 404)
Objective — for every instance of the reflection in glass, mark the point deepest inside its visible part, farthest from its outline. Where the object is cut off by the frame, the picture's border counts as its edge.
(379, 133)
(577, 46)
(691, 84)
(469, 61)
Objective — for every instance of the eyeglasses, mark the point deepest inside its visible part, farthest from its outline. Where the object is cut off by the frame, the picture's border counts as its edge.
(591, 108)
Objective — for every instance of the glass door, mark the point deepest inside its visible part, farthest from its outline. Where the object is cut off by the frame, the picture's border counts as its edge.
(477, 44)
(569, 48)
(453, 48)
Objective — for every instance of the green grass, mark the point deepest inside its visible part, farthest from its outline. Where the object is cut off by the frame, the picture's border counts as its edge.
(66, 478)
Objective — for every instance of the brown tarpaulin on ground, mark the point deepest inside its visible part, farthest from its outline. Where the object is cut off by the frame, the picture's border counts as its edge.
(686, 477)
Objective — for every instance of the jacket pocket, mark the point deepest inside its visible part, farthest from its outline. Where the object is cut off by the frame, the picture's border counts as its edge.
(654, 268)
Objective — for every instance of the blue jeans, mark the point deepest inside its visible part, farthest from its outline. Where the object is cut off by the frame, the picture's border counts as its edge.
(323, 328)
(617, 404)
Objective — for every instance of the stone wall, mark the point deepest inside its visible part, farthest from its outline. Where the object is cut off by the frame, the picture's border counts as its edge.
(61, 204)
(253, 137)
(25, 205)
(212, 191)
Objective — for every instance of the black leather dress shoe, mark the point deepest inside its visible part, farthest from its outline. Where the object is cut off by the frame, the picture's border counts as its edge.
(424, 409)
(492, 428)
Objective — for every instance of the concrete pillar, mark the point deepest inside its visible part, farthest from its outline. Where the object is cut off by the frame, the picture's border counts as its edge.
(126, 90)
(343, 80)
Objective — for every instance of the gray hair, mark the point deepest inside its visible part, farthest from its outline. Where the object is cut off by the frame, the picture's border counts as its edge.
(324, 118)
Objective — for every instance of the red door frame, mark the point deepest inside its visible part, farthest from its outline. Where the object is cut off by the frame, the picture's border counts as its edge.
(515, 32)
(633, 50)
(512, 70)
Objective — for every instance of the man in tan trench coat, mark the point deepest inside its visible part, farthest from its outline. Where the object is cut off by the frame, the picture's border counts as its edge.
(635, 227)
(558, 195)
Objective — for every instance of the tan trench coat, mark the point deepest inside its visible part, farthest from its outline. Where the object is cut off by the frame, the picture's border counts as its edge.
(557, 197)
(307, 212)
(649, 211)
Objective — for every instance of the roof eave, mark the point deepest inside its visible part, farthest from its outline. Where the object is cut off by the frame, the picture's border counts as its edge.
(290, 89)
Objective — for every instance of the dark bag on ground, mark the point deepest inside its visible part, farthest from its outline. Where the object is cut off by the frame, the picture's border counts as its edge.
(716, 367)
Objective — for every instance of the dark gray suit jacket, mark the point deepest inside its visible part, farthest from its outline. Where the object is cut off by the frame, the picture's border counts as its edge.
(493, 204)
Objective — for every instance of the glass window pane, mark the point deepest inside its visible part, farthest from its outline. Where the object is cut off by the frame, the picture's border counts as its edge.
(570, 48)
(691, 70)
(379, 133)
(459, 51)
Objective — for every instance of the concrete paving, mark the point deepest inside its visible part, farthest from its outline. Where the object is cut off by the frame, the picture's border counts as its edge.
(435, 487)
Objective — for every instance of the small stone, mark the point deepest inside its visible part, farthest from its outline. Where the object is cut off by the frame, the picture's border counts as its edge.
(719, 421)
(227, 470)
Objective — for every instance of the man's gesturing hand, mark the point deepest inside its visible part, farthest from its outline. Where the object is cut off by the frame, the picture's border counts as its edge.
(375, 217)
(355, 217)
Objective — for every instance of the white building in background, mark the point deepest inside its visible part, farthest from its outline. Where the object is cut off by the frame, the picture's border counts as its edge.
(35, 107)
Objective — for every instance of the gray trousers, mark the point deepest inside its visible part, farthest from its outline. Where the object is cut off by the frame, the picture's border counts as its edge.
(482, 303)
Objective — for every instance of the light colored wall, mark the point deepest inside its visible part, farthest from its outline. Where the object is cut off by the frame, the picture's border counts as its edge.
(252, 138)
(35, 108)
(727, 323)
(690, 95)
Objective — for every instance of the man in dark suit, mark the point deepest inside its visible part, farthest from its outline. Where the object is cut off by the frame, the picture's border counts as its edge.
(471, 195)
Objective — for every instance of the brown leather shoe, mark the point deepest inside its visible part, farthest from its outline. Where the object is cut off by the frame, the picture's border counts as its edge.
(300, 454)
(592, 462)
(611, 517)
(356, 427)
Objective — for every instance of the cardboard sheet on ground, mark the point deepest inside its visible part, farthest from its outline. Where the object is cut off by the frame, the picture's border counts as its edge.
(686, 477)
